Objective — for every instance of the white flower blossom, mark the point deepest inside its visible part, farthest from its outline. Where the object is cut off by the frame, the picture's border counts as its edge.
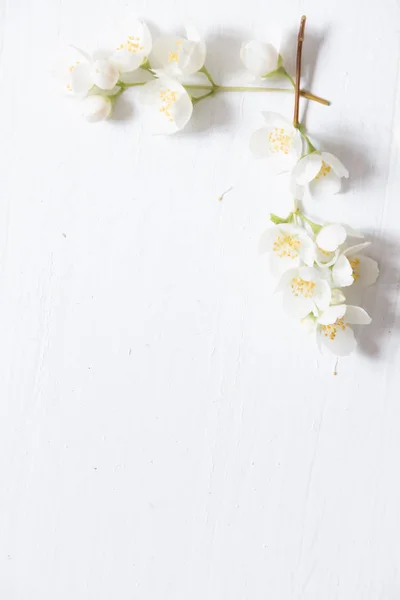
(353, 267)
(133, 46)
(288, 246)
(178, 57)
(278, 141)
(305, 291)
(260, 59)
(328, 241)
(333, 328)
(322, 171)
(96, 108)
(168, 104)
(80, 72)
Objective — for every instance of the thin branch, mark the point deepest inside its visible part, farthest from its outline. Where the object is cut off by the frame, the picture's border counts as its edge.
(300, 39)
(239, 88)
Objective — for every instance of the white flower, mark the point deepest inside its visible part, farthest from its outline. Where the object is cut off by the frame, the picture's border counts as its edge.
(96, 108)
(178, 57)
(278, 141)
(288, 246)
(328, 240)
(331, 236)
(260, 59)
(322, 171)
(304, 292)
(133, 48)
(352, 267)
(333, 328)
(103, 74)
(168, 104)
(337, 296)
(81, 71)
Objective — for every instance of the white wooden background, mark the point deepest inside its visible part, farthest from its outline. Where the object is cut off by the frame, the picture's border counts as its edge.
(166, 433)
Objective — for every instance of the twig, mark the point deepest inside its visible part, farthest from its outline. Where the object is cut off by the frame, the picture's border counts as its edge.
(300, 39)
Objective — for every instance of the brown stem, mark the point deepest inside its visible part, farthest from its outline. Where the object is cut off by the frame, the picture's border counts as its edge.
(310, 96)
(300, 39)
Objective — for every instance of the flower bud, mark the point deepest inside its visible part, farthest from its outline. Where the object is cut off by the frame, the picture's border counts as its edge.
(104, 74)
(260, 59)
(96, 108)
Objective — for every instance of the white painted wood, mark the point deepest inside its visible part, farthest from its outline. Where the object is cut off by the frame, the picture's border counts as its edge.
(165, 432)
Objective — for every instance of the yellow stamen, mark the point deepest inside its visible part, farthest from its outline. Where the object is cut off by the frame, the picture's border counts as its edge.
(168, 98)
(174, 56)
(324, 170)
(330, 331)
(355, 265)
(301, 287)
(286, 246)
(279, 141)
(132, 44)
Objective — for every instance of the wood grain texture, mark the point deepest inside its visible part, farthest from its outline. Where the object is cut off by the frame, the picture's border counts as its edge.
(165, 432)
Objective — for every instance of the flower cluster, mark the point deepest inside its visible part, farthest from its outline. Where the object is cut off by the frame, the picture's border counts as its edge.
(282, 144)
(99, 78)
(170, 70)
(315, 264)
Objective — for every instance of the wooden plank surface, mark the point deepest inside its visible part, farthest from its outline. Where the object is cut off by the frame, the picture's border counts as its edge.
(166, 432)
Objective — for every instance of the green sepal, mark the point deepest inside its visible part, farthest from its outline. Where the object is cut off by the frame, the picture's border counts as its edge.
(146, 65)
(278, 71)
(279, 220)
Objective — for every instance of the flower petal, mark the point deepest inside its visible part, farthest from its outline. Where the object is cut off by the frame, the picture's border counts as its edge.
(284, 252)
(309, 274)
(326, 184)
(335, 163)
(309, 324)
(342, 272)
(178, 57)
(192, 57)
(357, 316)
(285, 280)
(353, 250)
(192, 32)
(353, 232)
(291, 229)
(267, 240)
(307, 250)
(138, 76)
(96, 108)
(281, 265)
(322, 295)
(307, 168)
(332, 314)
(368, 271)
(331, 237)
(324, 258)
(260, 59)
(81, 80)
(168, 103)
(297, 144)
(297, 306)
(337, 296)
(259, 143)
(126, 61)
(104, 74)
(134, 46)
(342, 343)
